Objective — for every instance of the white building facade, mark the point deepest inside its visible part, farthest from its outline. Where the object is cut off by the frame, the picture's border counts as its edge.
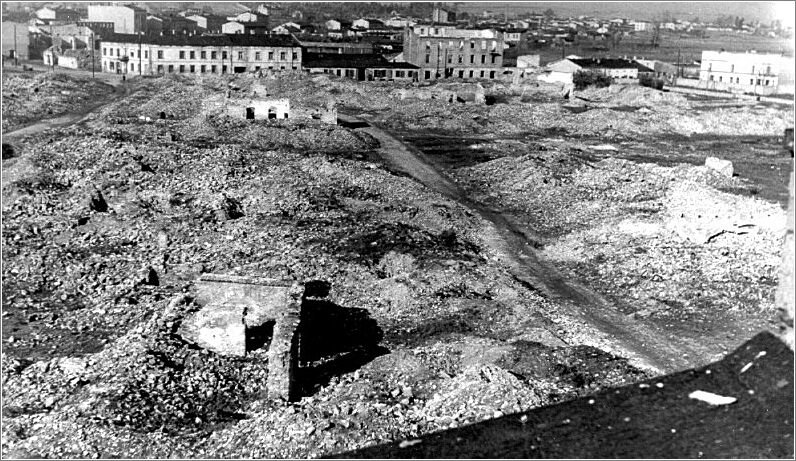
(123, 54)
(746, 72)
(125, 19)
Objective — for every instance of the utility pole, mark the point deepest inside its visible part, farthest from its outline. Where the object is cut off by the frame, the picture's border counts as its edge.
(15, 44)
(436, 74)
(92, 55)
(139, 52)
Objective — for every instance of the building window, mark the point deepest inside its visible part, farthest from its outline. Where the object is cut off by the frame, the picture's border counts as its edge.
(461, 74)
(203, 54)
(732, 68)
(270, 55)
(494, 59)
(282, 56)
(192, 54)
(719, 77)
(223, 69)
(482, 74)
(111, 65)
(751, 81)
(428, 74)
(483, 59)
(192, 68)
(471, 74)
(767, 82)
(118, 51)
(710, 77)
(202, 69)
(182, 68)
(256, 55)
(422, 31)
(428, 58)
(182, 54)
(103, 51)
(160, 68)
(223, 55)
(459, 59)
(492, 74)
(171, 69)
(399, 74)
(295, 56)
(436, 31)
(160, 54)
(212, 69)
(428, 44)
(472, 45)
(146, 54)
(281, 67)
(472, 59)
(213, 55)
(240, 55)
(132, 66)
(450, 59)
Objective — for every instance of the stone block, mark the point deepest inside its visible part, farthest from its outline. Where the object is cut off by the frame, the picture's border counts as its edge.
(722, 166)
(232, 305)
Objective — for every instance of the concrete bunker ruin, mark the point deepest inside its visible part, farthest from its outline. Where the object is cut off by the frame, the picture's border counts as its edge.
(236, 313)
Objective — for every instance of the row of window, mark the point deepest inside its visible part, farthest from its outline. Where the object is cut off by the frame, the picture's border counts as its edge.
(203, 54)
(377, 73)
(461, 44)
(760, 81)
(460, 59)
(182, 68)
(732, 68)
(461, 72)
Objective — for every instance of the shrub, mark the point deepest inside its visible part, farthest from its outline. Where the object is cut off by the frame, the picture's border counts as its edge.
(586, 78)
(651, 82)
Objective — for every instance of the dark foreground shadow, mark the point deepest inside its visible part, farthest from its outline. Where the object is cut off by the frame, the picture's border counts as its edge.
(334, 340)
(655, 420)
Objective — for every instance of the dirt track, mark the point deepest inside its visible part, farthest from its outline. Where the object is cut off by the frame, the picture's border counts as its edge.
(644, 344)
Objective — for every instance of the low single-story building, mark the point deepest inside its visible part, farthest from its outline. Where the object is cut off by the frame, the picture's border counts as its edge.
(622, 70)
(362, 67)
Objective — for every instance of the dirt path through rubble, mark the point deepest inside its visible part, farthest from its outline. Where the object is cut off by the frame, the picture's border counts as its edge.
(14, 167)
(644, 344)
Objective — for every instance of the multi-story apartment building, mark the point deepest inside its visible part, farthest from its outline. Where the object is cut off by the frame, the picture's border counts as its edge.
(447, 52)
(199, 54)
(747, 72)
(125, 19)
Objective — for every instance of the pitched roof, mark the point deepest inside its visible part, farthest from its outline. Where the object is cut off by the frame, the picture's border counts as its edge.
(207, 40)
(610, 63)
(334, 60)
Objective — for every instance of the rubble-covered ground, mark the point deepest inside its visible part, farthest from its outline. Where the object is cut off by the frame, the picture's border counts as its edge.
(612, 186)
(106, 222)
(29, 97)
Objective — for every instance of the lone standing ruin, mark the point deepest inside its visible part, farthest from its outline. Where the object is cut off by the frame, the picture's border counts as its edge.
(233, 306)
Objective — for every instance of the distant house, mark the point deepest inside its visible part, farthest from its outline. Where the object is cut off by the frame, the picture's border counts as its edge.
(622, 70)
(57, 14)
(209, 23)
(232, 27)
(747, 72)
(125, 19)
(362, 67)
(243, 17)
(332, 24)
(287, 28)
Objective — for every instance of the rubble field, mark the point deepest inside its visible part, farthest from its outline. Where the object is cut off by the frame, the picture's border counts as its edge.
(31, 97)
(114, 218)
(617, 194)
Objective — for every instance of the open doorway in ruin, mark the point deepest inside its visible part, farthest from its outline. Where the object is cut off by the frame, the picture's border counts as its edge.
(250, 113)
(271, 113)
(259, 337)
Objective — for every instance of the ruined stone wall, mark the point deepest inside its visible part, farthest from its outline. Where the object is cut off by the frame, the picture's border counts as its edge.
(787, 291)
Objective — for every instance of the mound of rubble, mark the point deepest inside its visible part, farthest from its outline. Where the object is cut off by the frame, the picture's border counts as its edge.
(32, 97)
(114, 218)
